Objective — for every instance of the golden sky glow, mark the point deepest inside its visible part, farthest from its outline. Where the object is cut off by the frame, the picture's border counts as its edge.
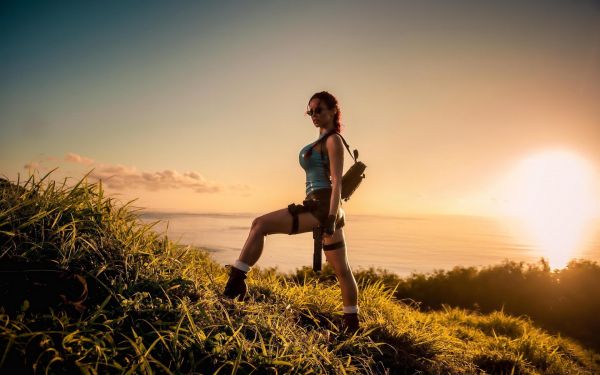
(202, 110)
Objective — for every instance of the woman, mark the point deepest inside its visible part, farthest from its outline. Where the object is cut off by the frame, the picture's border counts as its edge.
(322, 206)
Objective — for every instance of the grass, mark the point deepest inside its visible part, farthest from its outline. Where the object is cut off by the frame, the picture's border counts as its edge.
(155, 306)
(563, 300)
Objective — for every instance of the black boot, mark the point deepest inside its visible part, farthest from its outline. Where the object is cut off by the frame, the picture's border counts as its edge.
(236, 286)
(350, 322)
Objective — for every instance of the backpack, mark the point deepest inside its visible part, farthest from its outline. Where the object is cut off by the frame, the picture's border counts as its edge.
(353, 176)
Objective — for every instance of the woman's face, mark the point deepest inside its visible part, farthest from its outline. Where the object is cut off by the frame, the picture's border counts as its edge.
(319, 113)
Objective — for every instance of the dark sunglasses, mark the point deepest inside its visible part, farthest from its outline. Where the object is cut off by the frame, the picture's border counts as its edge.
(316, 111)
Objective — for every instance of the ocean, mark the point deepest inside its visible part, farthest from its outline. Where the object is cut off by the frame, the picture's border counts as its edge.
(403, 245)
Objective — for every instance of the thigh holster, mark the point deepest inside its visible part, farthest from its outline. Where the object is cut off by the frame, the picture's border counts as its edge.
(295, 209)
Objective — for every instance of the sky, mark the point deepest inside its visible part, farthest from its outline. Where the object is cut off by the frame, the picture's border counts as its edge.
(199, 106)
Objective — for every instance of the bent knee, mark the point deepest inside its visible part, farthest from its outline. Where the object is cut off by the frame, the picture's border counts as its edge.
(258, 224)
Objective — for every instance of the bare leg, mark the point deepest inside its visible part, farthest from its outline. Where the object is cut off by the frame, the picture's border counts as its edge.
(339, 260)
(254, 245)
(349, 288)
(279, 221)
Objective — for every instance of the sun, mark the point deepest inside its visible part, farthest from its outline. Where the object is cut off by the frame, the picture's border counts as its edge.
(554, 194)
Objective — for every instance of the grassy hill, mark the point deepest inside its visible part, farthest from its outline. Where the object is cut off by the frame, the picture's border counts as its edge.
(563, 300)
(86, 287)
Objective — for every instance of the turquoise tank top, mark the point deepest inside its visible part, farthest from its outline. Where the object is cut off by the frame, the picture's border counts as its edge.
(315, 171)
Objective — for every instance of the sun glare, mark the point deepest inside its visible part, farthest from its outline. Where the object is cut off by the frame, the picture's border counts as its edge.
(554, 194)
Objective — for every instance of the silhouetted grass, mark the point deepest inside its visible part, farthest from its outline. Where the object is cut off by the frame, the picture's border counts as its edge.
(564, 300)
(98, 291)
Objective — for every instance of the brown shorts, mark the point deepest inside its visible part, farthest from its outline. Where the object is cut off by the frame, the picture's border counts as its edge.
(316, 203)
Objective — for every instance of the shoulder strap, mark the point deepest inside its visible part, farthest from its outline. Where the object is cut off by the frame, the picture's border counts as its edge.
(326, 165)
(330, 133)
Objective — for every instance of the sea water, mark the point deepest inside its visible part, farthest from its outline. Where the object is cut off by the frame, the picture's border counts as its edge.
(403, 245)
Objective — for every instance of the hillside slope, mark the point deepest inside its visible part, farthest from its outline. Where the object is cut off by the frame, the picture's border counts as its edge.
(86, 286)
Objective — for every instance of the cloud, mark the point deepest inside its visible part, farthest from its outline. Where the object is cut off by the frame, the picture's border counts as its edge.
(122, 177)
(38, 164)
(78, 159)
(32, 165)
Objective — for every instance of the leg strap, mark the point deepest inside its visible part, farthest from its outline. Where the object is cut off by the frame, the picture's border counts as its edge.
(295, 209)
(333, 246)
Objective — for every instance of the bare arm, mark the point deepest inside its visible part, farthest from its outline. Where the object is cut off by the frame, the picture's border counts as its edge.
(335, 151)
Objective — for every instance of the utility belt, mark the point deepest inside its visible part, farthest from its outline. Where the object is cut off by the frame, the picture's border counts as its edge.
(311, 203)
